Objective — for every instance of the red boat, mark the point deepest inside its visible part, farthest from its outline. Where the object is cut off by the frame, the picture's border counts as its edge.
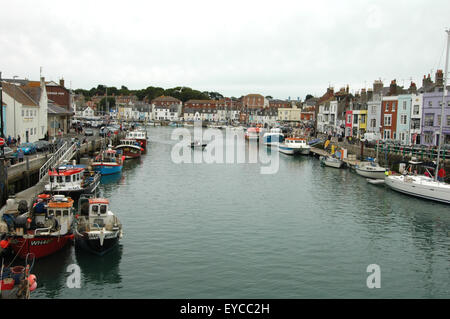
(130, 148)
(140, 137)
(44, 230)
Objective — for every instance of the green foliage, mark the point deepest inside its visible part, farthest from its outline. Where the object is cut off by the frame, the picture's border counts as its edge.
(308, 97)
(111, 104)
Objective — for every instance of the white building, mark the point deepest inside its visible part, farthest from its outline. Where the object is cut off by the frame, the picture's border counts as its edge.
(26, 110)
(416, 118)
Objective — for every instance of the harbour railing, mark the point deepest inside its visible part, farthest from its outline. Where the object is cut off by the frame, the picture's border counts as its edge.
(421, 152)
(65, 152)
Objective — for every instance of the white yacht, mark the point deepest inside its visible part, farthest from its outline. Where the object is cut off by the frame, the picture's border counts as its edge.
(370, 169)
(294, 145)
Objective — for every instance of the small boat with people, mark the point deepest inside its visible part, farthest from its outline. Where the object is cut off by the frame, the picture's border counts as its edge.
(273, 137)
(370, 169)
(41, 230)
(129, 148)
(97, 229)
(108, 162)
(331, 161)
(294, 145)
(72, 180)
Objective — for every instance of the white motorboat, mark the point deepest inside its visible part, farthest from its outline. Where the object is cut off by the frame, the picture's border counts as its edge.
(331, 161)
(252, 133)
(294, 145)
(370, 169)
(375, 181)
(273, 137)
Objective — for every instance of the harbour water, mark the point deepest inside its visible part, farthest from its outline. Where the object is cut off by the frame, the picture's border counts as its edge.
(227, 231)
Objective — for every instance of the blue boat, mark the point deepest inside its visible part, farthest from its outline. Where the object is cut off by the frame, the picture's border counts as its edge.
(108, 162)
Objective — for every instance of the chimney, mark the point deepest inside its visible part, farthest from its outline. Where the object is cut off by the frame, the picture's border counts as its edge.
(377, 87)
(439, 78)
(61, 82)
(369, 95)
(412, 88)
(393, 87)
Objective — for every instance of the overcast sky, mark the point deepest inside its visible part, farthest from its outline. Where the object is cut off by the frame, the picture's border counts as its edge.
(278, 48)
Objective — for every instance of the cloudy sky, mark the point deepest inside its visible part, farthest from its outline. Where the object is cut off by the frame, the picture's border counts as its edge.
(278, 48)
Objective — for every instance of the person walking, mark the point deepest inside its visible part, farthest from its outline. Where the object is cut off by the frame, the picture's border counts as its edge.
(18, 140)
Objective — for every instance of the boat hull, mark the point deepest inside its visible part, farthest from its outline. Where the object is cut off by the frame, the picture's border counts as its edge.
(129, 152)
(380, 174)
(93, 244)
(274, 139)
(288, 150)
(107, 168)
(398, 184)
(40, 246)
(75, 193)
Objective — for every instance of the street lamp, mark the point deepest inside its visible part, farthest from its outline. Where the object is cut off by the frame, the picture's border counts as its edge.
(14, 77)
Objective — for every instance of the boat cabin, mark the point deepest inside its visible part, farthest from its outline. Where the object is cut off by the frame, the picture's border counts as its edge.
(58, 216)
(138, 135)
(95, 212)
(69, 177)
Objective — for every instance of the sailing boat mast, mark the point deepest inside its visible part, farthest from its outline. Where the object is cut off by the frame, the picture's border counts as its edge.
(444, 91)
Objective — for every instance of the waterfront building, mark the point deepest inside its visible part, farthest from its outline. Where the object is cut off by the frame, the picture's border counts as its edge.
(403, 118)
(416, 118)
(25, 110)
(289, 114)
(58, 93)
(374, 107)
(255, 101)
(431, 117)
(389, 117)
(58, 119)
(166, 108)
(85, 112)
(348, 123)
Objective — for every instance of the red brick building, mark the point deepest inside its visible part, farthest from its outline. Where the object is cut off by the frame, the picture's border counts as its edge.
(254, 101)
(58, 94)
(389, 108)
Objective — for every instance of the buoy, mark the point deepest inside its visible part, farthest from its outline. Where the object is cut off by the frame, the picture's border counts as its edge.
(31, 279)
(33, 286)
(4, 244)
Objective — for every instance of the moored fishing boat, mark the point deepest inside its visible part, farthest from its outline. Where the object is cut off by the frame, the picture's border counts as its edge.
(72, 180)
(97, 229)
(43, 230)
(197, 144)
(139, 136)
(108, 162)
(129, 148)
(274, 137)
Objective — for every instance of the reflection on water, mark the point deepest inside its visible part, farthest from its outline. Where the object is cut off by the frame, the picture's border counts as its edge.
(99, 270)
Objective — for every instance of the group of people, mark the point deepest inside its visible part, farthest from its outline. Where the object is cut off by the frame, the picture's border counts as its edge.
(12, 140)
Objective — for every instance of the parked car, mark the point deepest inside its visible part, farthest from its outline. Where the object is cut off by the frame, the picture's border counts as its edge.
(42, 146)
(8, 151)
(27, 148)
(371, 137)
(89, 132)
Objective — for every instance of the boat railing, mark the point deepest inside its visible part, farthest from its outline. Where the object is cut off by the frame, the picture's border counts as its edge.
(40, 231)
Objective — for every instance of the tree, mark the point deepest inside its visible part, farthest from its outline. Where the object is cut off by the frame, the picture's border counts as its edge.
(269, 97)
(309, 96)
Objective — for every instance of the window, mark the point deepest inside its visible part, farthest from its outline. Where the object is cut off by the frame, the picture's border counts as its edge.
(373, 123)
(430, 103)
(355, 119)
(52, 179)
(403, 119)
(65, 213)
(416, 110)
(393, 106)
(438, 120)
(387, 107)
(429, 119)
(387, 120)
(68, 179)
(448, 120)
(58, 213)
(404, 105)
(387, 134)
(428, 137)
(95, 209)
(349, 118)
